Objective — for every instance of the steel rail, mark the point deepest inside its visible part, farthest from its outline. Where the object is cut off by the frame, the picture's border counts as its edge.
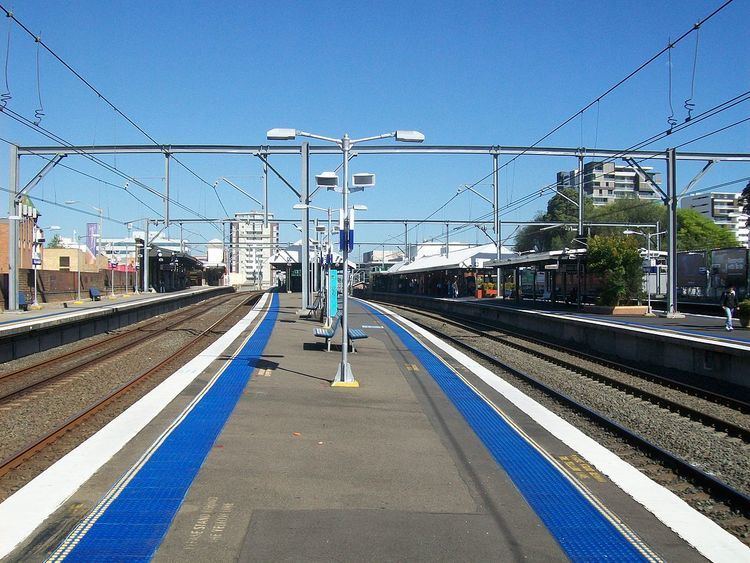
(720, 490)
(28, 451)
(123, 347)
(685, 410)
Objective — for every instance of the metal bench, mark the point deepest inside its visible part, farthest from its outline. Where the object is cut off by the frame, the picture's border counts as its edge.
(22, 303)
(328, 333)
(95, 294)
(355, 334)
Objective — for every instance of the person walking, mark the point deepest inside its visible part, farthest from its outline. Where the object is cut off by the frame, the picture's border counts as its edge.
(729, 304)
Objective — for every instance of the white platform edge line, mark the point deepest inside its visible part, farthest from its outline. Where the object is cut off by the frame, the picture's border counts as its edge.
(706, 536)
(90, 311)
(30, 506)
(643, 329)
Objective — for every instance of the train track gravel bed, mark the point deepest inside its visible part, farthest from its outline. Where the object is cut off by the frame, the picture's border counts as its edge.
(726, 457)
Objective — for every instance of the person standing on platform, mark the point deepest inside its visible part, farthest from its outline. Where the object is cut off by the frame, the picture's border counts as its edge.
(729, 304)
(455, 286)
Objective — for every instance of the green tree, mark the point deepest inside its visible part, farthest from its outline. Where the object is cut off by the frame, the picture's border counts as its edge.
(617, 260)
(697, 232)
(56, 242)
(746, 203)
(560, 208)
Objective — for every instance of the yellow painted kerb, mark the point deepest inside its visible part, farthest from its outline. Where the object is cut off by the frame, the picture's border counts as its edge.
(345, 384)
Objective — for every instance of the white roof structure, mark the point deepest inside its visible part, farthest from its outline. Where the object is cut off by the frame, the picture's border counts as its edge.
(293, 255)
(473, 257)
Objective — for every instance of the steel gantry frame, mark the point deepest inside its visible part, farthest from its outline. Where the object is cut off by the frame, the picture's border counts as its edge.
(305, 151)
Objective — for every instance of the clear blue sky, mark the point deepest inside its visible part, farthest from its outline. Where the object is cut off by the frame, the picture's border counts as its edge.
(461, 72)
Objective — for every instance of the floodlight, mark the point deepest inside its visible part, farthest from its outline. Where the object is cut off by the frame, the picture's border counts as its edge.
(363, 180)
(409, 136)
(281, 134)
(300, 206)
(360, 207)
(321, 228)
(328, 180)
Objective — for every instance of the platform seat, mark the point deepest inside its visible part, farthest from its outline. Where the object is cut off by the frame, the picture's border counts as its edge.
(355, 334)
(328, 333)
(95, 294)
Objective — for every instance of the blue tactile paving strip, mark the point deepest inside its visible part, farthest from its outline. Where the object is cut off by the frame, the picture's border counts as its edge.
(581, 529)
(132, 526)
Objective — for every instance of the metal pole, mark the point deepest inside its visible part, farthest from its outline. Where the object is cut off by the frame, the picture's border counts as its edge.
(580, 229)
(496, 214)
(182, 246)
(648, 278)
(265, 194)
(166, 192)
(305, 266)
(344, 375)
(447, 241)
(36, 303)
(406, 242)
(145, 259)
(672, 240)
(13, 211)
(316, 279)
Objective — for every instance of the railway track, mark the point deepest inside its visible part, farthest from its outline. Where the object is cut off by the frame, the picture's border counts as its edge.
(40, 443)
(475, 339)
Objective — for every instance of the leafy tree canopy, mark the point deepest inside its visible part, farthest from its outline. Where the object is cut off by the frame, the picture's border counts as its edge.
(618, 261)
(694, 231)
(56, 242)
(697, 232)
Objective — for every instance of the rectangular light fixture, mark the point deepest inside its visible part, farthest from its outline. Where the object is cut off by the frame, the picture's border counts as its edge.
(281, 134)
(409, 136)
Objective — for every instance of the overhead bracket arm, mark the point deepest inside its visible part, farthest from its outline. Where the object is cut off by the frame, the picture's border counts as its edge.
(265, 160)
(697, 177)
(54, 161)
(651, 183)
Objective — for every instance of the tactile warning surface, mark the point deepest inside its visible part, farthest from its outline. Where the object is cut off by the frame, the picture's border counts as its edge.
(131, 521)
(581, 529)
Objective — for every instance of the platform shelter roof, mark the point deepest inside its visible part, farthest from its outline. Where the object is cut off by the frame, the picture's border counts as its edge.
(537, 258)
(473, 257)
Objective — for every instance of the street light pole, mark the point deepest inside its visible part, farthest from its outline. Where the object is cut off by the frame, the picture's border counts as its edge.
(344, 376)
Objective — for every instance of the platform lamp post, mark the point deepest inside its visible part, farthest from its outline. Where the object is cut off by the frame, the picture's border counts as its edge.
(77, 241)
(36, 259)
(329, 211)
(344, 377)
(648, 236)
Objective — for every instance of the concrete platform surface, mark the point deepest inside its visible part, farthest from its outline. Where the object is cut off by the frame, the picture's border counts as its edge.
(388, 471)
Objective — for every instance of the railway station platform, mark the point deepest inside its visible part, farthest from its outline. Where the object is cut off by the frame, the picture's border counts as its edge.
(248, 454)
(27, 332)
(696, 350)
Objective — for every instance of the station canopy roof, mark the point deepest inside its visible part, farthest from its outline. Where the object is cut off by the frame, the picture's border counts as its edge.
(472, 257)
(538, 258)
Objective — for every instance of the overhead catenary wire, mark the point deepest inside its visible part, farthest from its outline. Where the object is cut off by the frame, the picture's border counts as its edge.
(54, 137)
(104, 98)
(612, 88)
(723, 106)
(598, 99)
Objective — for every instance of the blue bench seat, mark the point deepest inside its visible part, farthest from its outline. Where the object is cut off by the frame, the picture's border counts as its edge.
(355, 334)
(328, 333)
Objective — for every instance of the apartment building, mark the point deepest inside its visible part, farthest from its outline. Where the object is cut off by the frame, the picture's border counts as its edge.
(251, 246)
(724, 209)
(606, 182)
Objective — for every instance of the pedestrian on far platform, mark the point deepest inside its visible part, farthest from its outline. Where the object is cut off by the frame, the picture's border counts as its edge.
(729, 304)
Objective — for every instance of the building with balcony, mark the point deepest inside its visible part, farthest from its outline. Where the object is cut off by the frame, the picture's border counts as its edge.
(724, 209)
(606, 182)
(251, 246)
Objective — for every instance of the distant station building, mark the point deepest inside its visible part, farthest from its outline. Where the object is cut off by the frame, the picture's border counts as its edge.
(724, 209)
(606, 182)
(251, 248)
(378, 261)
